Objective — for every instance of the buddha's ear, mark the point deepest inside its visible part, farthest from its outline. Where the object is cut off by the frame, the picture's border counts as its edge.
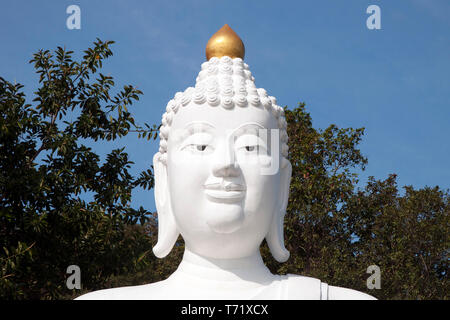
(275, 236)
(167, 228)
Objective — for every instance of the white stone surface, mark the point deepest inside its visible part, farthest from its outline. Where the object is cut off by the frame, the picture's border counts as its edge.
(212, 187)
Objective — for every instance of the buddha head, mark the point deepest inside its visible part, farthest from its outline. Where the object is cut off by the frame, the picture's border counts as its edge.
(221, 173)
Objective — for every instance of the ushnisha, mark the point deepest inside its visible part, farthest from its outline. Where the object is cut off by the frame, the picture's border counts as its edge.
(212, 186)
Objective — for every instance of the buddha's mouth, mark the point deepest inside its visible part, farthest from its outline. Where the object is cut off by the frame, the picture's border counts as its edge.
(224, 191)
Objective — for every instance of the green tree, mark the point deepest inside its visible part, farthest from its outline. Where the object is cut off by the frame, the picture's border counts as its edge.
(46, 169)
(335, 231)
(323, 179)
(407, 236)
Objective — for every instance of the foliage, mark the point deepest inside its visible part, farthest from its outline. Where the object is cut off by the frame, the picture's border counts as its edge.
(406, 236)
(335, 232)
(46, 170)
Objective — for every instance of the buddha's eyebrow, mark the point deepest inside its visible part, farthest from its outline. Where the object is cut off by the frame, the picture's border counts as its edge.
(251, 128)
(198, 126)
(192, 128)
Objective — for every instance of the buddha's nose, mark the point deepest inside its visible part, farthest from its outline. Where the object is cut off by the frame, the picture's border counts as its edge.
(225, 169)
(225, 164)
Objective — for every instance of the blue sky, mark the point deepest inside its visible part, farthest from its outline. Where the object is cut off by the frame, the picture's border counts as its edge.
(394, 81)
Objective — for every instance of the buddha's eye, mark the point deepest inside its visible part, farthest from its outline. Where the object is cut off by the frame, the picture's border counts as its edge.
(199, 143)
(201, 147)
(250, 145)
(198, 148)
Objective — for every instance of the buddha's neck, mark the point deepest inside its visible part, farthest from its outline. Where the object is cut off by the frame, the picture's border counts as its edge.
(249, 268)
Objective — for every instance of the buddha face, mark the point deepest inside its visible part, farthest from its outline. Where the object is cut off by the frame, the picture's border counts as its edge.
(222, 199)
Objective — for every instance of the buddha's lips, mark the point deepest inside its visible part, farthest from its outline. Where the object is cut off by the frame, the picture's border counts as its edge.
(225, 187)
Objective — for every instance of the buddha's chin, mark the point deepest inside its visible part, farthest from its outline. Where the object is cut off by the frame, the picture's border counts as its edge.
(227, 219)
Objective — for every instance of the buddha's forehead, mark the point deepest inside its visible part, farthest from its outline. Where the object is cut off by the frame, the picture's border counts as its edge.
(224, 119)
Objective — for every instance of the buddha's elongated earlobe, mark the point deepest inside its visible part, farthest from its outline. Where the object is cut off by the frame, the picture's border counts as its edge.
(275, 238)
(167, 228)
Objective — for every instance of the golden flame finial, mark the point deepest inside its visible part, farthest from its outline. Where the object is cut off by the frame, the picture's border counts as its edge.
(225, 42)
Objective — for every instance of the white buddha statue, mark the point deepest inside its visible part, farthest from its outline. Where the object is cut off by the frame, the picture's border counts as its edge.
(224, 187)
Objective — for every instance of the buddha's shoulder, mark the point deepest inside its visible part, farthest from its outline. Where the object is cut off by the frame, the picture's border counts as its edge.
(297, 287)
(339, 293)
(152, 291)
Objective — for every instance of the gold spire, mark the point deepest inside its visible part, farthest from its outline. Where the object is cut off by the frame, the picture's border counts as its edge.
(225, 42)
